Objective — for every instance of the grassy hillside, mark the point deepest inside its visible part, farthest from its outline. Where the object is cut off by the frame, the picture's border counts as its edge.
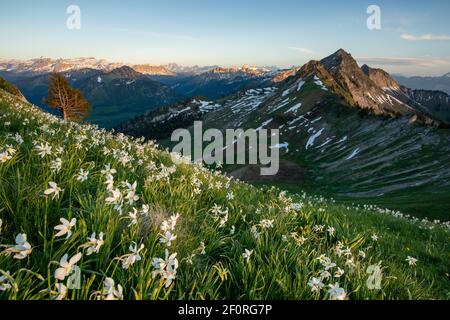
(175, 230)
(344, 152)
(8, 87)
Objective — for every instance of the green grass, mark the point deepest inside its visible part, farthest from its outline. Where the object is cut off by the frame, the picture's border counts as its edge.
(8, 87)
(284, 256)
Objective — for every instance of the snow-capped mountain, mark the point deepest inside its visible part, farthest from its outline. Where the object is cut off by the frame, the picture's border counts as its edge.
(194, 70)
(129, 90)
(152, 70)
(48, 65)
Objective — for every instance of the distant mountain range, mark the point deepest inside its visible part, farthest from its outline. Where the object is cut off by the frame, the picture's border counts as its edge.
(428, 83)
(48, 65)
(352, 132)
(119, 92)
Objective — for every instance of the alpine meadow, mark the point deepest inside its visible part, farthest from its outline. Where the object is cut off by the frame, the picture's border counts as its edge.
(225, 159)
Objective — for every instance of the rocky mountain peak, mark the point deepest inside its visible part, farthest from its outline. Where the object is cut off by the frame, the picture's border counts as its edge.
(153, 70)
(126, 72)
(283, 75)
(380, 77)
(363, 87)
(341, 59)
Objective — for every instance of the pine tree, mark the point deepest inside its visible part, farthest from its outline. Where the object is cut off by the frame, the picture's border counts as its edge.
(69, 101)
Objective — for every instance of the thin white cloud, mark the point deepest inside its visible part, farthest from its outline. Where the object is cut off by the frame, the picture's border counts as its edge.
(404, 61)
(425, 37)
(301, 50)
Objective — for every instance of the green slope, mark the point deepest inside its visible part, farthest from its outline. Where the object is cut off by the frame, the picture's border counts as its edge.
(290, 236)
(351, 156)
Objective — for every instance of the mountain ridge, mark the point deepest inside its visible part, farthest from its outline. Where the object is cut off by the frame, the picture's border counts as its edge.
(440, 83)
(48, 65)
(345, 151)
(364, 87)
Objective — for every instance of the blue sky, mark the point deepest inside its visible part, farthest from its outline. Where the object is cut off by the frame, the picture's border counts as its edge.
(414, 38)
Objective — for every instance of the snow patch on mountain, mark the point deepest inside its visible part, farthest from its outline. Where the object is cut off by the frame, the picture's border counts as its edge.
(320, 83)
(313, 138)
(294, 108)
(265, 123)
(300, 85)
(354, 153)
(281, 105)
(280, 145)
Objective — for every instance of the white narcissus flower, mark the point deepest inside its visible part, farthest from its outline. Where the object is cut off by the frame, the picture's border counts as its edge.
(4, 156)
(339, 273)
(56, 165)
(170, 224)
(66, 266)
(82, 176)
(318, 228)
(61, 292)
(109, 182)
(65, 228)
(315, 284)
(53, 190)
(166, 268)
(133, 257)
(325, 275)
(254, 231)
(1, 222)
(411, 261)
(133, 215)
(108, 170)
(115, 198)
(131, 193)
(350, 263)
(216, 209)
(110, 292)
(10, 150)
(223, 219)
(336, 292)
(22, 248)
(202, 248)
(43, 149)
(145, 209)
(266, 223)
(167, 238)
(326, 262)
(94, 244)
(18, 138)
(331, 231)
(5, 280)
(247, 254)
